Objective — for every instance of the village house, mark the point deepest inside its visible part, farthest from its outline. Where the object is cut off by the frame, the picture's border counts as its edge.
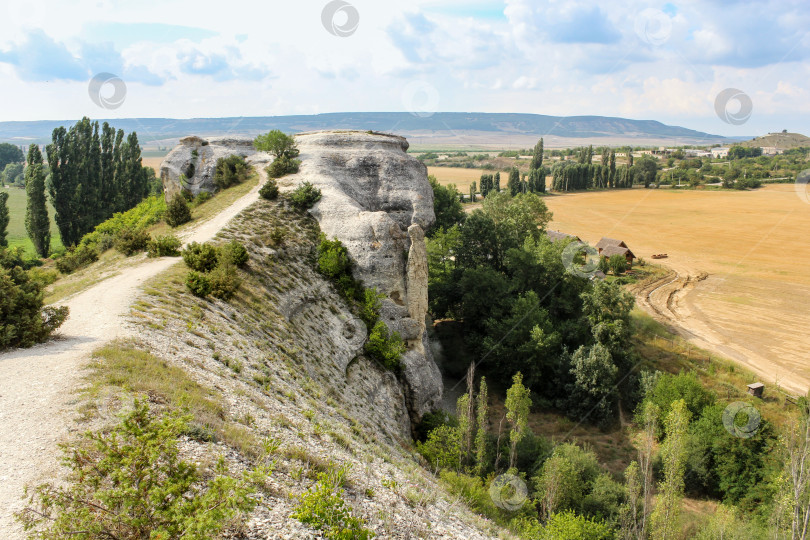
(607, 247)
(721, 152)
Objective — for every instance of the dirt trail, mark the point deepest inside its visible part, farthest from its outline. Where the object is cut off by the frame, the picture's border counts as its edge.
(36, 385)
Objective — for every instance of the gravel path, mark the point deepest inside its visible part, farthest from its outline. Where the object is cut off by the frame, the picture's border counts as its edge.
(37, 402)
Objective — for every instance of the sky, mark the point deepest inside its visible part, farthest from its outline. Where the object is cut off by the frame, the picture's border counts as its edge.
(732, 68)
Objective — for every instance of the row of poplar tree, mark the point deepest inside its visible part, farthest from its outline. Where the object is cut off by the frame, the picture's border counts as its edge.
(533, 182)
(584, 174)
(94, 173)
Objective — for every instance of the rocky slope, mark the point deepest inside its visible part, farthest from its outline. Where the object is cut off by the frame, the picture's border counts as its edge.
(378, 202)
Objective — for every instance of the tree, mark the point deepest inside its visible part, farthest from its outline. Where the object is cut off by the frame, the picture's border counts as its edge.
(37, 222)
(4, 219)
(617, 264)
(177, 211)
(277, 143)
(537, 156)
(645, 170)
(570, 526)
(496, 186)
(612, 168)
(446, 206)
(796, 475)
(482, 413)
(517, 405)
(12, 174)
(472, 192)
(514, 182)
(10, 154)
(664, 518)
(593, 392)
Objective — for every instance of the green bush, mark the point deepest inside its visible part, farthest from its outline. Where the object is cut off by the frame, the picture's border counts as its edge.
(231, 171)
(617, 264)
(164, 246)
(201, 257)
(129, 482)
(305, 196)
(370, 307)
(23, 320)
(178, 212)
(224, 281)
(269, 190)
(76, 258)
(569, 526)
(282, 166)
(202, 197)
(384, 347)
(323, 508)
(198, 284)
(131, 241)
(148, 212)
(334, 263)
(442, 449)
(233, 253)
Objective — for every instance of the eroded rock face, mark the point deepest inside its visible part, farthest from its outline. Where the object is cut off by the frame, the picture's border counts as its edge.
(199, 157)
(377, 201)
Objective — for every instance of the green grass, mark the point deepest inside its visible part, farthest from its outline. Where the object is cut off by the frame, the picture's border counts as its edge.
(17, 235)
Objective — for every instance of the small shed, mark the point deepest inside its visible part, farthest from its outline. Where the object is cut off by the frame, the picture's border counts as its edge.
(755, 389)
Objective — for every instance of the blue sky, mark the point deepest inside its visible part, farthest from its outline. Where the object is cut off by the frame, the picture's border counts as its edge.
(665, 61)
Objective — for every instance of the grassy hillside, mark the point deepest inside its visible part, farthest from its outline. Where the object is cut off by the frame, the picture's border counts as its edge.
(785, 141)
(17, 236)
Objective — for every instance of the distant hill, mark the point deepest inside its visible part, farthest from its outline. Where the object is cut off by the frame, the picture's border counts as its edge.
(451, 128)
(784, 141)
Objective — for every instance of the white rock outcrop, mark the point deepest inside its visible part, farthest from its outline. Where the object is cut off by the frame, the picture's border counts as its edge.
(195, 159)
(377, 201)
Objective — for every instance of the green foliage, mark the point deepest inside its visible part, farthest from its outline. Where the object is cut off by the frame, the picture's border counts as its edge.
(323, 508)
(442, 449)
(664, 518)
(282, 166)
(269, 190)
(164, 246)
(569, 526)
(37, 222)
(12, 174)
(94, 174)
(231, 171)
(593, 394)
(177, 211)
(4, 219)
(431, 421)
(233, 253)
(566, 479)
(617, 264)
(130, 483)
(277, 143)
(305, 196)
(131, 241)
(446, 206)
(23, 320)
(517, 405)
(686, 386)
(385, 347)
(201, 257)
(76, 258)
(198, 284)
(370, 307)
(224, 281)
(202, 197)
(10, 153)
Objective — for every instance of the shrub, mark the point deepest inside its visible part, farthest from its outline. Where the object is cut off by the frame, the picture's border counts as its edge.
(384, 347)
(617, 264)
(442, 449)
(202, 197)
(130, 241)
(282, 166)
(233, 253)
(200, 257)
(323, 508)
(198, 284)
(305, 196)
(130, 483)
(177, 212)
(224, 281)
(370, 307)
(230, 171)
(569, 526)
(147, 212)
(269, 190)
(334, 263)
(164, 246)
(76, 258)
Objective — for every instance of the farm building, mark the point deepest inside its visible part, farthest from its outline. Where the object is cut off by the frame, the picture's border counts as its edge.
(608, 247)
(557, 235)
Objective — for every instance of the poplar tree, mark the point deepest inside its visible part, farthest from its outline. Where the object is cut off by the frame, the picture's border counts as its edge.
(496, 183)
(517, 407)
(664, 518)
(612, 166)
(4, 219)
(514, 182)
(37, 223)
(482, 414)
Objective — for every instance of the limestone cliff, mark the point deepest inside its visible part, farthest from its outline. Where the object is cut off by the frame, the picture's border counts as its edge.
(378, 202)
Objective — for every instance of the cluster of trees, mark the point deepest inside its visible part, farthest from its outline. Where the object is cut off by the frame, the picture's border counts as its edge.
(499, 273)
(583, 174)
(283, 147)
(490, 182)
(94, 174)
(11, 164)
(739, 152)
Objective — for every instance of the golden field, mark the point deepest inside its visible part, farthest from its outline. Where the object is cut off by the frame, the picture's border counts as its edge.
(753, 306)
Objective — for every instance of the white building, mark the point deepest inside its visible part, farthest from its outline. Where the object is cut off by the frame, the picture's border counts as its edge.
(721, 152)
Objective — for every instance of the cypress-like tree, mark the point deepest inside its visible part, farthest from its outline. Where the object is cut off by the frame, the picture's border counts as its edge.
(537, 156)
(37, 222)
(496, 183)
(4, 219)
(612, 166)
(514, 181)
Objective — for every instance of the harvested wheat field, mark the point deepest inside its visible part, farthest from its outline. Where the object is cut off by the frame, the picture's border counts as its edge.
(462, 178)
(740, 280)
